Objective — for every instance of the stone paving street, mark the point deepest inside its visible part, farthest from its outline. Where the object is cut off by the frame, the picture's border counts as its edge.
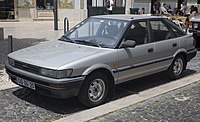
(21, 105)
(182, 105)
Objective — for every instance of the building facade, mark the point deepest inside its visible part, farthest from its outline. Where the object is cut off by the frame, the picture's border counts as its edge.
(74, 10)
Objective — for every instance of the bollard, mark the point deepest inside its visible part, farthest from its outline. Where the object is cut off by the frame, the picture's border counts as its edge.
(66, 23)
(1, 34)
(10, 43)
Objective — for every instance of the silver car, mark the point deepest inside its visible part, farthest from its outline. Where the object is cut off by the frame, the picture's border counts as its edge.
(100, 52)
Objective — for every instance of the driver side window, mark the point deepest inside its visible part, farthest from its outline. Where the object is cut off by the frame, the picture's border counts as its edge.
(138, 33)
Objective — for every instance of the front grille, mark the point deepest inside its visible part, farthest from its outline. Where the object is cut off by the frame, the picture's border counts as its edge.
(27, 67)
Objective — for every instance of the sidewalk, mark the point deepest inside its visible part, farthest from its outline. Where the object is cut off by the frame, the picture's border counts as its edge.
(25, 34)
(5, 82)
(34, 29)
(180, 105)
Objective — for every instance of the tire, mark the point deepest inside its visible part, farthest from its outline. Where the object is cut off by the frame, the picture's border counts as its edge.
(177, 67)
(94, 90)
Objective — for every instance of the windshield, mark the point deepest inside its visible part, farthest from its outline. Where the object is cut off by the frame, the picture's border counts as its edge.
(96, 32)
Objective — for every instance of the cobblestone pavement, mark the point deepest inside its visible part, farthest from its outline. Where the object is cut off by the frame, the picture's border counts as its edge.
(20, 104)
(182, 105)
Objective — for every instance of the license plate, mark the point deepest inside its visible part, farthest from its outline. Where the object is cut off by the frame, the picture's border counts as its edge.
(25, 83)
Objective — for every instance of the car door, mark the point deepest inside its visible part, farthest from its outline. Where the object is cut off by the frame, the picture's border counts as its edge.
(166, 44)
(136, 62)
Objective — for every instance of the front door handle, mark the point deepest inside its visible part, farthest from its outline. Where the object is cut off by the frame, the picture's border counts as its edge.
(174, 44)
(150, 50)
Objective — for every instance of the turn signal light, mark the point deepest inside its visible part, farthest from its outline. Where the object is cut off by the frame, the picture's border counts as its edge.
(57, 86)
(190, 24)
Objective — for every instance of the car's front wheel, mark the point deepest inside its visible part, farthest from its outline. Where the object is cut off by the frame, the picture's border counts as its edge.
(177, 67)
(94, 90)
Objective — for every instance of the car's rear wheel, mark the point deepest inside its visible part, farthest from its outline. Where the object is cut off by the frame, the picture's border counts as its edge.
(177, 67)
(94, 90)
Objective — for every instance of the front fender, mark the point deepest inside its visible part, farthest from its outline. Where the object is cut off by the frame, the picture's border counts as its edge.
(96, 67)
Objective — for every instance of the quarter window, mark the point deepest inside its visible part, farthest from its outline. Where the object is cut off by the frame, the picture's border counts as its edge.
(175, 29)
(177, 32)
(160, 31)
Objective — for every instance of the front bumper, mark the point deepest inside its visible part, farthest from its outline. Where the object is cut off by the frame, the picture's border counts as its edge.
(191, 30)
(58, 88)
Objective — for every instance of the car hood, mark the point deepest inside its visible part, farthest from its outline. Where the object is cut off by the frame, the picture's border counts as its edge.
(54, 54)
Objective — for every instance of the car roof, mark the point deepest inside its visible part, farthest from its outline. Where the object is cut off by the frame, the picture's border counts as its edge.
(127, 17)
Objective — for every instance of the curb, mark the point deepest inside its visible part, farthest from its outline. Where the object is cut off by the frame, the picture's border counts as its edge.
(92, 113)
(6, 82)
(8, 85)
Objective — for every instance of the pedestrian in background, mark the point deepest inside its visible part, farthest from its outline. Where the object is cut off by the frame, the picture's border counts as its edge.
(109, 5)
(182, 9)
(194, 11)
(164, 9)
(156, 7)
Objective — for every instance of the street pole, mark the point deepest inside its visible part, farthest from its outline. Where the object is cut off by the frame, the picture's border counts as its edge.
(10, 43)
(186, 3)
(55, 11)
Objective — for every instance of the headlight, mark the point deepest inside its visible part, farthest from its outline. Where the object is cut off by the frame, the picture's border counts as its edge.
(195, 25)
(56, 73)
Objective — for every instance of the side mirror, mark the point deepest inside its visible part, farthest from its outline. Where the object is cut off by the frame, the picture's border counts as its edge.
(128, 43)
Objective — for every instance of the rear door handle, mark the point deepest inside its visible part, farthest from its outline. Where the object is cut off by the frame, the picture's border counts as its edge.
(174, 44)
(150, 50)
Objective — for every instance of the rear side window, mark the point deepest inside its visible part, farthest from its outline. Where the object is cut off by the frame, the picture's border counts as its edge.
(176, 30)
(160, 31)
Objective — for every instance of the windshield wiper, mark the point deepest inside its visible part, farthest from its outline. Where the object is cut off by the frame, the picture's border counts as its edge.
(88, 43)
(64, 38)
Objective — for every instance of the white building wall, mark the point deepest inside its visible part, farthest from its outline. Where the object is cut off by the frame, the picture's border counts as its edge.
(80, 11)
(100, 3)
(191, 2)
(128, 6)
(77, 14)
(146, 4)
(29, 14)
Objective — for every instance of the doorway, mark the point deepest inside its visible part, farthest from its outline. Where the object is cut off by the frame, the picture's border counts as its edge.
(98, 7)
(7, 9)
